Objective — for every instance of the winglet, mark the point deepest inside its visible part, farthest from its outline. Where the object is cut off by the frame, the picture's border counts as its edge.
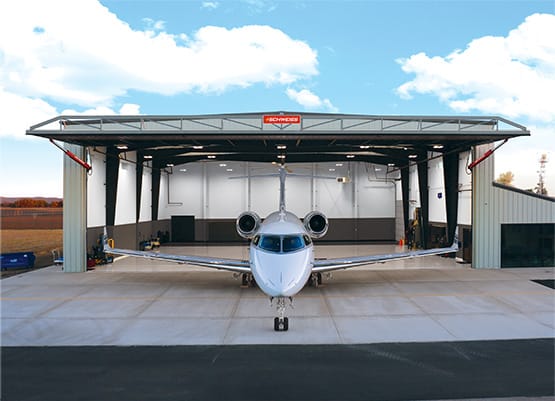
(105, 245)
(455, 244)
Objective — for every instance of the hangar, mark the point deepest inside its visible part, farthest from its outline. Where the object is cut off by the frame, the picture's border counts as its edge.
(396, 175)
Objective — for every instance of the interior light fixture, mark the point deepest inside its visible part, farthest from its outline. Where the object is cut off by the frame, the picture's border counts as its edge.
(281, 156)
(122, 147)
(183, 170)
(350, 156)
(281, 147)
(211, 156)
(391, 164)
(413, 156)
(148, 157)
(169, 164)
(223, 165)
(331, 169)
(198, 147)
(338, 164)
(438, 146)
(229, 169)
(364, 146)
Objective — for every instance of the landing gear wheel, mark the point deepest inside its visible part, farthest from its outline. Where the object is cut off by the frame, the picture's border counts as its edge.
(281, 324)
(247, 280)
(315, 280)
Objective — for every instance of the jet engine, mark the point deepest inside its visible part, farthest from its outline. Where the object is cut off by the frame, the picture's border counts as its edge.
(247, 224)
(316, 224)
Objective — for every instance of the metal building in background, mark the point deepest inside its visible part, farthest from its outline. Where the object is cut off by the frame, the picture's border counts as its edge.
(511, 227)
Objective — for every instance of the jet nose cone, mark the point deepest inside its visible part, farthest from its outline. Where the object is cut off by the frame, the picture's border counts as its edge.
(282, 275)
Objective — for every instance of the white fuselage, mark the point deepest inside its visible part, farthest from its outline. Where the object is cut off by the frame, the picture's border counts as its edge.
(281, 255)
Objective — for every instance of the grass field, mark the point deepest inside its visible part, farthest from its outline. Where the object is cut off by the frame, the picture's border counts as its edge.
(41, 242)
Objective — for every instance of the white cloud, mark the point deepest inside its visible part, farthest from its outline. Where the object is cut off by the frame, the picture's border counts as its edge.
(154, 25)
(127, 108)
(25, 111)
(210, 4)
(130, 109)
(55, 50)
(310, 100)
(259, 6)
(21, 112)
(512, 76)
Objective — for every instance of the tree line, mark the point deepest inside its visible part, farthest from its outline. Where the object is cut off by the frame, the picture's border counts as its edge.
(33, 203)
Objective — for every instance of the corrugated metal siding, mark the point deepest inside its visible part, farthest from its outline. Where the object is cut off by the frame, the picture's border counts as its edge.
(75, 212)
(518, 208)
(493, 206)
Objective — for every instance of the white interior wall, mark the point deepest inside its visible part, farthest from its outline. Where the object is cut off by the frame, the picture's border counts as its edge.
(414, 194)
(464, 213)
(299, 191)
(332, 198)
(205, 190)
(436, 190)
(145, 213)
(164, 211)
(96, 189)
(185, 193)
(264, 194)
(375, 194)
(225, 197)
(126, 194)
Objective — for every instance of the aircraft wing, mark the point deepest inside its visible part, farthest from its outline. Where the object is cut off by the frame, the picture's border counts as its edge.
(234, 265)
(325, 265)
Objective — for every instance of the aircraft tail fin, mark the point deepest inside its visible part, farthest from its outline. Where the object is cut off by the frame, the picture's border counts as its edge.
(106, 246)
(455, 244)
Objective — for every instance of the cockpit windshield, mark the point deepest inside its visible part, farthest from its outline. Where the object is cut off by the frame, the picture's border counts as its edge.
(292, 243)
(280, 243)
(271, 243)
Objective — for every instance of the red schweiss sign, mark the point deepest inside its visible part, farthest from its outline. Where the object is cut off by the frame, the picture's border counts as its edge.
(280, 119)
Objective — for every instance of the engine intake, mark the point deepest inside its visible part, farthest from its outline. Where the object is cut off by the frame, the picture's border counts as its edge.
(247, 224)
(316, 224)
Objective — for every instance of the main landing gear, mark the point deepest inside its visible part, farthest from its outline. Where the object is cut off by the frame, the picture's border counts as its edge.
(247, 280)
(315, 280)
(281, 322)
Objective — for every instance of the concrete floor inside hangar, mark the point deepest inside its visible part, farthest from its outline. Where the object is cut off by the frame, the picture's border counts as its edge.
(141, 302)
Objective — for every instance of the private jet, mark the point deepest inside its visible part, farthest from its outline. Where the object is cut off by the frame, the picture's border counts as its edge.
(281, 253)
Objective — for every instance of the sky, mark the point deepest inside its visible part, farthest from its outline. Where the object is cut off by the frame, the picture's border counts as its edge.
(209, 57)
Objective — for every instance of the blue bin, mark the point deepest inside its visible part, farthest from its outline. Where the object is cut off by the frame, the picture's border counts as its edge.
(17, 260)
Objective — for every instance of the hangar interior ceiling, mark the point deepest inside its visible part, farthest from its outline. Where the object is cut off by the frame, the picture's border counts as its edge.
(284, 137)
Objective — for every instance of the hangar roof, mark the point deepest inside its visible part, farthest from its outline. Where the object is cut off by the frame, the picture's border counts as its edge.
(280, 136)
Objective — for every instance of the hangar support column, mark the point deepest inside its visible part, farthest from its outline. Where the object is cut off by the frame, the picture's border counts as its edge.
(138, 184)
(75, 212)
(112, 169)
(451, 183)
(405, 194)
(424, 201)
(156, 176)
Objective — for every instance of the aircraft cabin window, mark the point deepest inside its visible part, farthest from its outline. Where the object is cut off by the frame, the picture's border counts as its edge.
(292, 243)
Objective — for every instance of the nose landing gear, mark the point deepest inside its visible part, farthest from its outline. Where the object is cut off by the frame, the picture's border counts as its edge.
(281, 322)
